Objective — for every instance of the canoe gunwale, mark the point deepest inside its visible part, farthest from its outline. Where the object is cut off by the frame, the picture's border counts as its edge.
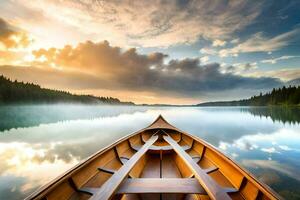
(262, 186)
(48, 187)
(266, 189)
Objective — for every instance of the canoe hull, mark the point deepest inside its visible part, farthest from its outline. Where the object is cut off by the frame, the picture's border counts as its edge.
(142, 165)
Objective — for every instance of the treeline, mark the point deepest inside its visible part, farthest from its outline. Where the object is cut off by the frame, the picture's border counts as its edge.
(15, 92)
(281, 96)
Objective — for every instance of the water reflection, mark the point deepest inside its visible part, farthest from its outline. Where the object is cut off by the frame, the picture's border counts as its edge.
(289, 115)
(33, 115)
(32, 156)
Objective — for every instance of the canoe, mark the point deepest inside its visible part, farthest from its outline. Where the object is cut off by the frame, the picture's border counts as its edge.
(157, 162)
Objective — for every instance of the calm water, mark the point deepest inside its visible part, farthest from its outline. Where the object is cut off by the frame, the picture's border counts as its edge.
(37, 143)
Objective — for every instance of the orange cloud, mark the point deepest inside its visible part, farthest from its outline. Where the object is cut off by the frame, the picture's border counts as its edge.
(12, 37)
(99, 59)
(140, 23)
(99, 66)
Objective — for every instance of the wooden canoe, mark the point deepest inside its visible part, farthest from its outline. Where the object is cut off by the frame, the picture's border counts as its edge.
(157, 162)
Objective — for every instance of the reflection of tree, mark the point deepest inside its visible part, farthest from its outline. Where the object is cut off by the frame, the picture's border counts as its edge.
(26, 116)
(283, 114)
(285, 186)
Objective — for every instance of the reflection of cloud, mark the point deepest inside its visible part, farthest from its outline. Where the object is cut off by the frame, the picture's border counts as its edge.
(223, 145)
(269, 177)
(270, 143)
(274, 165)
(38, 154)
(19, 160)
(11, 187)
(284, 147)
(234, 155)
(269, 150)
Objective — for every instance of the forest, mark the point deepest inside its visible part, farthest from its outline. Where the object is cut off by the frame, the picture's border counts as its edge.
(15, 92)
(289, 96)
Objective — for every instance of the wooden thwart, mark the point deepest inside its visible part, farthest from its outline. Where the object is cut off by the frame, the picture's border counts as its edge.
(109, 188)
(215, 191)
(161, 185)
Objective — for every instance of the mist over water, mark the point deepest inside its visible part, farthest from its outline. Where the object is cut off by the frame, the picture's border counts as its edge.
(38, 143)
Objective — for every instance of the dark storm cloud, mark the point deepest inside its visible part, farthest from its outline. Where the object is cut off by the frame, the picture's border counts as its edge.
(101, 66)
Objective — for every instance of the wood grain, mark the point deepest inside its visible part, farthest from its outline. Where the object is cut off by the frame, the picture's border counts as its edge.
(161, 185)
(109, 188)
(214, 191)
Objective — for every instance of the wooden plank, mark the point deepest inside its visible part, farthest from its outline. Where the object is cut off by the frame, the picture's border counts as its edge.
(214, 190)
(152, 167)
(161, 185)
(109, 188)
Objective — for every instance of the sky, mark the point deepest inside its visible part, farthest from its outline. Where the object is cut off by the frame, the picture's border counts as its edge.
(170, 52)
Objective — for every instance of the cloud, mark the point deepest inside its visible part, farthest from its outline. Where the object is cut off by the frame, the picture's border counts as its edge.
(208, 51)
(204, 59)
(99, 65)
(283, 74)
(239, 68)
(275, 60)
(12, 37)
(143, 23)
(259, 43)
(235, 41)
(219, 43)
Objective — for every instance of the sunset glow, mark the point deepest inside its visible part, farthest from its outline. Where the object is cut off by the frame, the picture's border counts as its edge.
(173, 52)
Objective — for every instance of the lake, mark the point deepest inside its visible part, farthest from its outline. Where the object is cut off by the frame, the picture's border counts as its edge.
(38, 143)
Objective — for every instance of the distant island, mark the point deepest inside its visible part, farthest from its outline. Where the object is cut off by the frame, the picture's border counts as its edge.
(285, 96)
(15, 92)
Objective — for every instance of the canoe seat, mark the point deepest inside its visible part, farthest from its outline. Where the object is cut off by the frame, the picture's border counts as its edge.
(161, 185)
(164, 148)
(153, 147)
